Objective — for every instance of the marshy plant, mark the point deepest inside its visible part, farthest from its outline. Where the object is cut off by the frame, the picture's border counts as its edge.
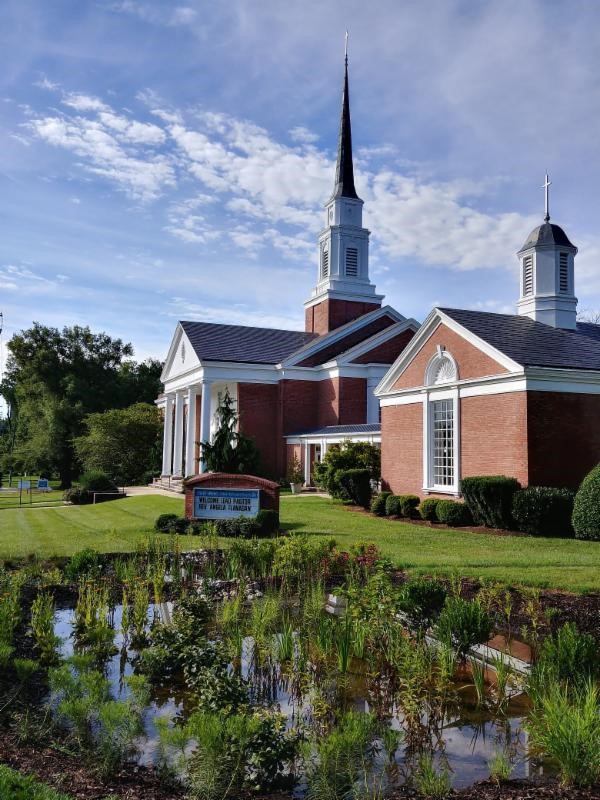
(360, 633)
(285, 642)
(139, 611)
(565, 725)
(432, 783)
(343, 643)
(92, 616)
(504, 676)
(462, 624)
(501, 766)
(264, 615)
(568, 657)
(478, 670)
(42, 627)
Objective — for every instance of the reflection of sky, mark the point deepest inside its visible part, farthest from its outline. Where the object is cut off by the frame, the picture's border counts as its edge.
(469, 740)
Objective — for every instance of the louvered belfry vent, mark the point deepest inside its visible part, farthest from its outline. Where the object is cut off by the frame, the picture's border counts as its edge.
(563, 272)
(527, 276)
(352, 262)
(324, 263)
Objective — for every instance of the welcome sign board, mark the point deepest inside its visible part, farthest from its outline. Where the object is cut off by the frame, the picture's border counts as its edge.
(225, 503)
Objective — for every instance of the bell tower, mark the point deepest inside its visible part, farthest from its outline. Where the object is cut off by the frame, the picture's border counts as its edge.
(343, 291)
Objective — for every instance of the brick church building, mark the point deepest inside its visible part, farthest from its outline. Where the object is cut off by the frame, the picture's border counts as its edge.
(296, 392)
(465, 393)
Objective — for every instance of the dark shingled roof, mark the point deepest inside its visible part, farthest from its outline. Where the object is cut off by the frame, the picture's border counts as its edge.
(215, 342)
(534, 344)
(340, 430)
(547, 234)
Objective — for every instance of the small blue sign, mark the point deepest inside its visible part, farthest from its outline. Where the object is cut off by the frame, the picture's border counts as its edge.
(24, 485)
(43, 483)
(225, 503)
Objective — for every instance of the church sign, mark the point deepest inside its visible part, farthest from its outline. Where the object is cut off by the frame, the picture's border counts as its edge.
(225, 503)
(219, 495)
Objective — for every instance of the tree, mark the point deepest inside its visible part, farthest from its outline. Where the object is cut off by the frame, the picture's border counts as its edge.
(125, 443)
(230, 451)
(54, 379)
(345, 456)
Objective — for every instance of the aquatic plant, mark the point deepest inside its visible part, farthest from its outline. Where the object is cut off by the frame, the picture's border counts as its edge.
(92, 611)
(422, 600)
(432, 783)
(567, 656)
(501, 766)
(285, 642)
(10, 606)
(264, 615)
(462, 624)
(83, 564)
(42, 627)
(478, 669)
(565, 725)
(139, 611)
(343, 643)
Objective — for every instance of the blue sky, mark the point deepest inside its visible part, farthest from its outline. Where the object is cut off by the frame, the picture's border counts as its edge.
(165, 160)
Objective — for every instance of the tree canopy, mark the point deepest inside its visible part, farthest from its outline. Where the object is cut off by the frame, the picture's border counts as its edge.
(54, 379)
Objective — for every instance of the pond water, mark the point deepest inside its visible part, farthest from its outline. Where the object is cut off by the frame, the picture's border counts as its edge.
(465, 735)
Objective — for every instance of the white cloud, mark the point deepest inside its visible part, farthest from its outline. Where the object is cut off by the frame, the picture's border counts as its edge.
(303, 135)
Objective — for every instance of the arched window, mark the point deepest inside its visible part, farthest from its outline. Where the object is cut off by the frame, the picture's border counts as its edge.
(441, 457)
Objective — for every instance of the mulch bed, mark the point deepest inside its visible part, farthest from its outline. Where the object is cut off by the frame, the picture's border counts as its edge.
(510, 790)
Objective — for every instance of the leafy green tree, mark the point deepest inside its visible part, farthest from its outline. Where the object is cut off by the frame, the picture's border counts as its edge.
(345, 456)
(230, 451)
(123, 442)
(54, 379)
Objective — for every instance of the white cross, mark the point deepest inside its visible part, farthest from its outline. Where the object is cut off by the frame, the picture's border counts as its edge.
(546, 185)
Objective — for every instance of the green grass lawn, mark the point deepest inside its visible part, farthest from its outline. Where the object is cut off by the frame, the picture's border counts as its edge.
(16, 786)
(119, 525)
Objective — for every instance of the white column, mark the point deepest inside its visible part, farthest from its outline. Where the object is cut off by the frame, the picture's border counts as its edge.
(204, 420)
(167, 455)
(372, 401)
(306, 464)
(190, 439)
(178, 444)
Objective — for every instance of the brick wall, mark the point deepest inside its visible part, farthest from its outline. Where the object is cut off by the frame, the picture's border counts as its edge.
(401, 448)
(564, 437)
(346, 342)
(298, 410)
(269, 491)
(472, 363)
(330, 314)
(387, 352)
(352, 401)
(258, 410)
(328, 411)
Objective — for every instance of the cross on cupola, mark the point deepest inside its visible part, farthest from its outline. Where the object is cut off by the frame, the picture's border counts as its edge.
(546, 187)
(343, 291)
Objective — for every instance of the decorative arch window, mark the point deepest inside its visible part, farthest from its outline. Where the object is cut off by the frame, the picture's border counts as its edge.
(441, 424)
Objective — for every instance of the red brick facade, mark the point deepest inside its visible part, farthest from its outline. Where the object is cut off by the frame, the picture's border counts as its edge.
(259, 407)
(269, 491)
(330, 314)
(387, 352)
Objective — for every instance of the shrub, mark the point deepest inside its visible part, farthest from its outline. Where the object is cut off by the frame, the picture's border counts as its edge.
(84, 562)
(392, 506)
(348, 455)
(408, 505)
(78, 497)
(462, 624)
(356, 483)
(97, 481)
(428, 509)
(180, 525)
(566, 726)
(490, 498)
(544, 511)
(586, 509)
(453, 513)
(422, 600)
(566, 656)
(164, 522)
(238, 527)
(378, 504)
(268, 521)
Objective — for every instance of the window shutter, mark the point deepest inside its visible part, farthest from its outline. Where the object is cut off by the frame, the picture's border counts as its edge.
(563, 272)
(352, 262)
(324, 263)
(527, 275)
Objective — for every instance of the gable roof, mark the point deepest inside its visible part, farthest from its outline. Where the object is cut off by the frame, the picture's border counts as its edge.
(531, 343)
(243, 344)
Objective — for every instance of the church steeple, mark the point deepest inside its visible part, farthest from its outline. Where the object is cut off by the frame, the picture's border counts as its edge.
(343, 291)
(344, 168)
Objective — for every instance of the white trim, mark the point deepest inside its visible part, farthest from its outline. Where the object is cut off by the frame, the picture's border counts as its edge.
(333, 438)
(338, 294)
(376, 339)
(428, 460)
(419, 340)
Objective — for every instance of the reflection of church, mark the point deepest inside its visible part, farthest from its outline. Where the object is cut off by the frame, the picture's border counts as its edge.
(466, 393)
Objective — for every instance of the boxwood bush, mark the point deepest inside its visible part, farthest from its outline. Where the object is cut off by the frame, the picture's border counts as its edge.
(428, 509)
(451, 512)
(422, 600)
(544, 511)
(392, 506)
(378, 504)
(408, 505)
(490, 498)
(356, 483)
(268, 521)
(164, 522)
(586, 509)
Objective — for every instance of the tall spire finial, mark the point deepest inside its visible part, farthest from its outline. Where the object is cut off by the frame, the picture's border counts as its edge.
(546, 187)
(344, 169)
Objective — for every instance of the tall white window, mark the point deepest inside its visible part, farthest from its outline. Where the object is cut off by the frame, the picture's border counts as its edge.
(527, 275)
(324, 262)
(563, 272)
(442, 413)
(352, 261)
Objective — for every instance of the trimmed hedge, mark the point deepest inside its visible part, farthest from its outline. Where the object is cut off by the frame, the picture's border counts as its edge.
(490, 499)
(586, 509)
(428, 509)
(356, 483)
(78, 497)
(95, 480)
(453, 513)
(164, 522)
(268, 521)
(544, 511)
(378, 504)
(392, 506)
(408, 505)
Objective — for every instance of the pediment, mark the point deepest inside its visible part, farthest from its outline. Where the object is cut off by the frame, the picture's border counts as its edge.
(181, 357)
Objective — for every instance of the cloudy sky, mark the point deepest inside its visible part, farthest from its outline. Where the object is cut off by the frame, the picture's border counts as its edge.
(164, 161)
